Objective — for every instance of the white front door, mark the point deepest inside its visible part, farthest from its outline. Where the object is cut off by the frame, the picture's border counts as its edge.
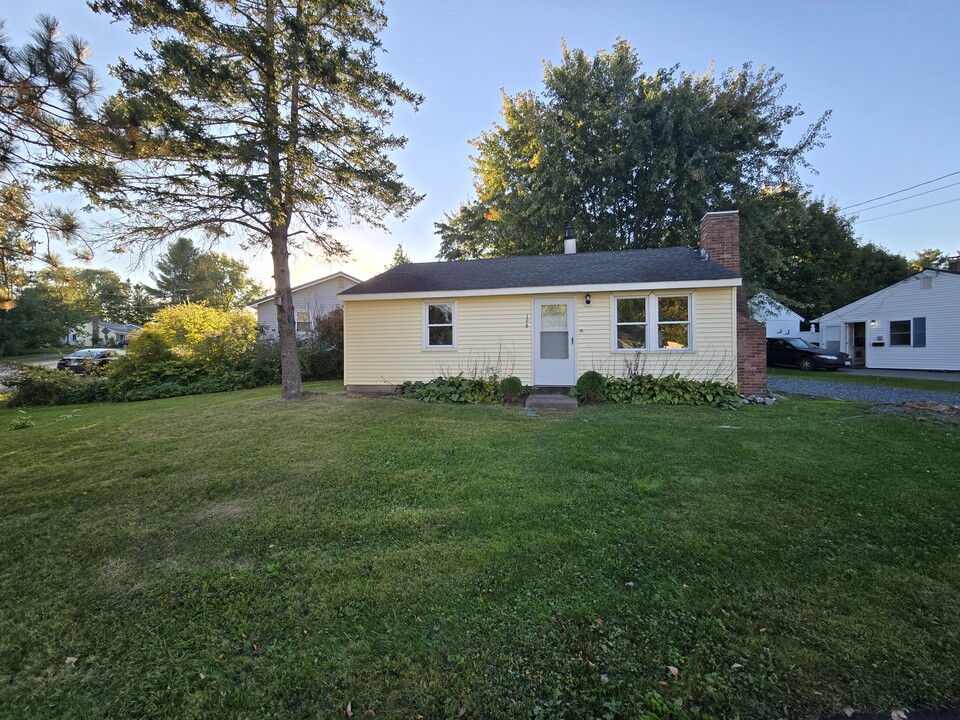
(553, 342)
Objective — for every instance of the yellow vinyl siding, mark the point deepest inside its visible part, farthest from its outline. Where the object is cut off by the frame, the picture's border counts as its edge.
(383, 339)
(712, 334)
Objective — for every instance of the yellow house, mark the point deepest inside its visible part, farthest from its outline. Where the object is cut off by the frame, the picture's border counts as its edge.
(549, 318)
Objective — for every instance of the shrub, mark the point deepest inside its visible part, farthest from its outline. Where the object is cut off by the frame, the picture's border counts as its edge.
(590, 388)
(33, 385)
(671, 390)
(195, 332)
(456, 389)
(512, 389)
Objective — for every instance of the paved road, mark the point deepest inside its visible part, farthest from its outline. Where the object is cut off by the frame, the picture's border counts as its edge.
(867, 393)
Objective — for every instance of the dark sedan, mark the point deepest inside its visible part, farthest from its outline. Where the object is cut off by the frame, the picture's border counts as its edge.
(84, 361)
(797, 353)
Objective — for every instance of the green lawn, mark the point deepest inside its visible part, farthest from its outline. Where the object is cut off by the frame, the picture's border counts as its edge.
(232, 556)
(36, 356)
(879, 380)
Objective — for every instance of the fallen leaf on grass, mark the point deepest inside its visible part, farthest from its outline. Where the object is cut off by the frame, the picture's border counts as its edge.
(664, 683)
(71, 661)
(763, 630)
(673, 671)
(736, 666)
(350, 709)
(898, 715)
(849, 711)
(461, 712)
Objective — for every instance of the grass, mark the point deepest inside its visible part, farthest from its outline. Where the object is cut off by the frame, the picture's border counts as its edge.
(876, 380)
(234, 556)
(36, 356)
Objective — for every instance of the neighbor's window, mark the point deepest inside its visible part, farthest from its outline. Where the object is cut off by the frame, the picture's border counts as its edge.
(899, 332)
(631, 323)
(303, 321)
(673, 322)
(440, 325)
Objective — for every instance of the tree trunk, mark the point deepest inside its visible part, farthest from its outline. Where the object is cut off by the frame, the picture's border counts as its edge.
(290, 378)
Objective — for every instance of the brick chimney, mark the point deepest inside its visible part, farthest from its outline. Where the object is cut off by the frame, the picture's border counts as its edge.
(720, 237)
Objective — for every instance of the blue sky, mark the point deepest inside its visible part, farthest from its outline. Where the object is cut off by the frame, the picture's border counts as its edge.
(887, 69)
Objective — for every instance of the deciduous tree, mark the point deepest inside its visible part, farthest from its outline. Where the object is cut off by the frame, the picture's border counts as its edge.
(633, 159)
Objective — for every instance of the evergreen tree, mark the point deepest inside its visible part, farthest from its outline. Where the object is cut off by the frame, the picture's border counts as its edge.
(46, 88)
(174, 274)
(260, 116)
(399, 257)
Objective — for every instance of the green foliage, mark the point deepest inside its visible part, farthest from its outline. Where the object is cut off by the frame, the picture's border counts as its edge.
(634, 159)
(804, 253)
(39, 319)
(455, 389)
(302, 82)
(34, 386)
(47, 84)
(197, 333)
(670, 390)
(399, 258)
(590, 388)
(21, 421)
(186, 274)
(512, 389)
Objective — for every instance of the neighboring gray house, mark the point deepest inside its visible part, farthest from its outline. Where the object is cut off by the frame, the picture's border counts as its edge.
(310, 301)
(912, 325)
(779, 320)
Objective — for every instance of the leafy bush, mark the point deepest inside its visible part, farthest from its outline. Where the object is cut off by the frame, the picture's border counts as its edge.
(671, 390)
(590, 388)
(195, 332)
(512, 389)
(33, 385)
(456, 389)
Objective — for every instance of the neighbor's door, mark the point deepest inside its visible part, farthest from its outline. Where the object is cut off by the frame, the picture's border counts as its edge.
(553, 342)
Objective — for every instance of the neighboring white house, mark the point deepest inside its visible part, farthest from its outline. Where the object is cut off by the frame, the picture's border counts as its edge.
(311, 300)
(912, 325)
(101, 333)
(779, 320)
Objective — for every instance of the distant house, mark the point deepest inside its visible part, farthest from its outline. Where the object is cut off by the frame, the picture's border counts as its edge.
(913, 324)
(101, 333)
(311, 300)
(779, 320)
(549, 318)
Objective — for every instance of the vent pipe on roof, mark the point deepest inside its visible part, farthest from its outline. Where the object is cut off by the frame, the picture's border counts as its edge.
(569, 241)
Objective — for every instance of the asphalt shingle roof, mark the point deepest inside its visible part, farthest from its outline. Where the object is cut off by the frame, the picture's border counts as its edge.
(673, 264)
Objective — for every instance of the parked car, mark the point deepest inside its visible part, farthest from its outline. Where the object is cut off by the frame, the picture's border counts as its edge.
(794, 352)
(84, 361)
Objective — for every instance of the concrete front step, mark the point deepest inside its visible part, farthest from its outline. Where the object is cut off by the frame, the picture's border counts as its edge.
(551, 401)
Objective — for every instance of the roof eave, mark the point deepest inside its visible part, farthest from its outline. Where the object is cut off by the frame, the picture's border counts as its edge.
(545, 290)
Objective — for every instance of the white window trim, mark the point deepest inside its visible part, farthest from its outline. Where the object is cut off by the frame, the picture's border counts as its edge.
(426, 325)
(297, 321)
(653, 323)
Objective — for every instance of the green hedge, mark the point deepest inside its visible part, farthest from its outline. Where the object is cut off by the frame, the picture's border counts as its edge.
(664, 390)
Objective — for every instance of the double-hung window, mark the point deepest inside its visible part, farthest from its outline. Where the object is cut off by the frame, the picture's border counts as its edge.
(900, 332)
(631, 323)
(439, 325)
(303, 321)
(652, 322)
(673, 322)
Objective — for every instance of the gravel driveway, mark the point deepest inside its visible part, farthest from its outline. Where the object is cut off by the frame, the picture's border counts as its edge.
(867, 393)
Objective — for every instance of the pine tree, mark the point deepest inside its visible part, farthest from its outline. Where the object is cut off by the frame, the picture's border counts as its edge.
(261, 116)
